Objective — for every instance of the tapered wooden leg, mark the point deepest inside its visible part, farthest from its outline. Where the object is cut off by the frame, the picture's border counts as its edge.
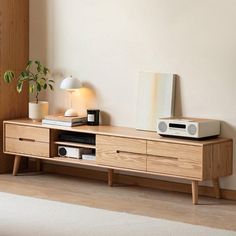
(216, 185)
(16, 165)
(110, 177)
(38, 165)
(195, 192)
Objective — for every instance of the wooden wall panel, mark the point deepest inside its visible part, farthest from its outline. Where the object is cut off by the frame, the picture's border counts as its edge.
(14, 54)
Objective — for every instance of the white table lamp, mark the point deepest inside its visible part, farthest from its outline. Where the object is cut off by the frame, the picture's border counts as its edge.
(70, 84)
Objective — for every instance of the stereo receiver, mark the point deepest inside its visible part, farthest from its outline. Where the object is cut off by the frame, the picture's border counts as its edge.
(188, 127)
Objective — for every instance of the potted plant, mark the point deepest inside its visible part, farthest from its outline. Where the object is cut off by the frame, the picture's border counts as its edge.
(37, 77)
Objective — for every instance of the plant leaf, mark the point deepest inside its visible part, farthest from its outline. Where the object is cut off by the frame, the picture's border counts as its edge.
(52, 81)
(31, 88)
(45, 71)
(51, 87)
(45, 86)
(8, 76)
(39, 87)
(29, 63)
(19, 87)
(39, 66)
(24, 74)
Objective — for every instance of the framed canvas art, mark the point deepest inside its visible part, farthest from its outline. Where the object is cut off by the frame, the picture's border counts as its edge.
(156, 93)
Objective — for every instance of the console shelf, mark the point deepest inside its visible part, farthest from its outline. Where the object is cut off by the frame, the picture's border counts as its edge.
(74, 161)
(73, 144)
(125, 149)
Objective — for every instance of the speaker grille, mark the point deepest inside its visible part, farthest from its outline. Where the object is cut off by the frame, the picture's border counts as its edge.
(192, 129)
(62, 151)
(162, 126)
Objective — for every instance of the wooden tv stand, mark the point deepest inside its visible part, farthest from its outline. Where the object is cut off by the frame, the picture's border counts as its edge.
(126, 149)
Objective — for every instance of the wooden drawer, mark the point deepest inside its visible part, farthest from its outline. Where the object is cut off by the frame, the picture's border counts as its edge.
(175, 159)
(21, 132)
(174, 166)
(121, 152)
(121, 144)
(27, 147)
(175, 150)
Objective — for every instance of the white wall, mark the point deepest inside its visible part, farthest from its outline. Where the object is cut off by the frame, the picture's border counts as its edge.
(106, 43)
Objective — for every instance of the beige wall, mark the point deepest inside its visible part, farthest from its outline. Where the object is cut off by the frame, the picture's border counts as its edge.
(106, 43)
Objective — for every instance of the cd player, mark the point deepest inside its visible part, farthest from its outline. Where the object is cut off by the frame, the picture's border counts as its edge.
(188, 127)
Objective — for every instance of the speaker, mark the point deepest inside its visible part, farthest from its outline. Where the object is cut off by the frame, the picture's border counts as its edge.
(162, 126)
(192, 129)
(64, 151)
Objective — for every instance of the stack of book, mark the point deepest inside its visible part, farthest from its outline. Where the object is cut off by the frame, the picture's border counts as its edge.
(64, 120)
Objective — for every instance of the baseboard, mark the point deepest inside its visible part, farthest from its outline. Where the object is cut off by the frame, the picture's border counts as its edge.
(136, 180)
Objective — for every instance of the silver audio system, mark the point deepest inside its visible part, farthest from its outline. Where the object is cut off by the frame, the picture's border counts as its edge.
(72, 152)
(188, 127)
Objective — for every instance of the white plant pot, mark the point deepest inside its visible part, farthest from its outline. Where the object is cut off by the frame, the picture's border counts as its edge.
(37, 111)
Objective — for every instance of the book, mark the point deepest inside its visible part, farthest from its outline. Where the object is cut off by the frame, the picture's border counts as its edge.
(64, 123)
(61, 117)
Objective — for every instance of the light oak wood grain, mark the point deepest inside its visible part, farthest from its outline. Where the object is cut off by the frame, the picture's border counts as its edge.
(123, 132)
(216, 185)
(175, 150)
(27, 133)
(195, 192)
(16, 164)
(217, 160)
(188, 168)
(121, 144)
(194, 161)
(121, 152)
(27, 147)
(110, 177)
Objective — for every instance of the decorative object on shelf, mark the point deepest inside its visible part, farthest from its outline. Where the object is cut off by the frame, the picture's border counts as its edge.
(37, 75)
(155, 99)
(70, 84)
(60, 119)
(93, 117)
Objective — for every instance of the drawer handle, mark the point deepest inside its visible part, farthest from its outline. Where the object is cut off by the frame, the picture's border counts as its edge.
(168, 158)
(118, 151)
(27, 139)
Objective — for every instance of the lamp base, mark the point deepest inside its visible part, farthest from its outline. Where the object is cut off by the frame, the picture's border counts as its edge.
(71, 112)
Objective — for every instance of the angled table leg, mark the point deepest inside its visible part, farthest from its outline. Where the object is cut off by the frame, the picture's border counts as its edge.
(195, 192)
(216, 185)
(110, 177)
(38, 165)
(16, 165)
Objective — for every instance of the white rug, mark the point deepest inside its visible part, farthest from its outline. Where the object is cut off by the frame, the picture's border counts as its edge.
(23, 216)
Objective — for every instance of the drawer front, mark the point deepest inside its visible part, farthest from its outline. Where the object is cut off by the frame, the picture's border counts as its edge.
(163, 149)
(175, 166)
(21, 132)
(27, 147)
(121, 144)
(121, 152)
(174, 159)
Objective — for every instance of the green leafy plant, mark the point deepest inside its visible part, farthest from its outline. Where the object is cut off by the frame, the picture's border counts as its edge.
(36, 74)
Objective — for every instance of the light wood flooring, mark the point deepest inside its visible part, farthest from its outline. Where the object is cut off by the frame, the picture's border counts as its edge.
(131, 199)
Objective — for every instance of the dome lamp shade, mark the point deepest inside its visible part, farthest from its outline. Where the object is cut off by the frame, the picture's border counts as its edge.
(70, 83)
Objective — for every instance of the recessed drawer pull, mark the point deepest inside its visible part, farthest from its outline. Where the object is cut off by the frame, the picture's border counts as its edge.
(119, 151)
(167, 158)
(26, 139)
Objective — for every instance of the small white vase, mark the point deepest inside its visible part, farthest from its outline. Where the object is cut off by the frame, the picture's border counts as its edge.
(37, 111)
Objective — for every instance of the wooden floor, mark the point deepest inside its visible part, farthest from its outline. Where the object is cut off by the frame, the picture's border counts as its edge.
(142, 201)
